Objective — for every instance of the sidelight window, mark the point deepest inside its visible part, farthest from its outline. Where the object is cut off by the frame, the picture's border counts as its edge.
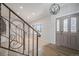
(58, 25)
(65, 25)
(73, 24)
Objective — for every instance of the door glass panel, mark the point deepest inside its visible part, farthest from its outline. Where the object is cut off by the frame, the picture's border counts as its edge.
(58, 26)
(65, 25)
(73, 24)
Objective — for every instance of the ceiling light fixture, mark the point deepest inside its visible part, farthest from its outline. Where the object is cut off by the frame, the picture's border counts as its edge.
(21, 7)
(33, 13)
(28, 17)
(18, 13)
(54, 9)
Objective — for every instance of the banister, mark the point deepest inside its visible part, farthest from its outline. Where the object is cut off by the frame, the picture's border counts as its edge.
(21, 18)
(22, 34)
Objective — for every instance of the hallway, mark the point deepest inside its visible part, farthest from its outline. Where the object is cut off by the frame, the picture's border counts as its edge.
(41, 29)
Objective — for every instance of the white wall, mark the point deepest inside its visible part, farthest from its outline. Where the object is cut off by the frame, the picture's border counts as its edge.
(66, 9)
(45, 30)
(49, 22)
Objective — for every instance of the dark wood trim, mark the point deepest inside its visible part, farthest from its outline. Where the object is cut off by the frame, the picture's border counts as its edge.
(9, 28)
(37, 46)
(23, 38)
(33, 43)
(28, 40)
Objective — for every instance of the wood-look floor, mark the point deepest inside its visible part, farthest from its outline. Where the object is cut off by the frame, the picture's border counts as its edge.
(46, 49)
(53, 50)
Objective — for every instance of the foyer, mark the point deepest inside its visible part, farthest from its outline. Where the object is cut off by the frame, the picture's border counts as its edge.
(39, 29)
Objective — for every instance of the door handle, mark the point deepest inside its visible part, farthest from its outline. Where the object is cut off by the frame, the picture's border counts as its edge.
(61, 31)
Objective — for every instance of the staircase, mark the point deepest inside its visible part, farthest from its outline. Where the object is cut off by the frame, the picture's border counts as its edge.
(17, 37)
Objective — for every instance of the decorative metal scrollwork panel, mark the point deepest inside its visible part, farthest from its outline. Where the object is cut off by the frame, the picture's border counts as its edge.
(16, 39)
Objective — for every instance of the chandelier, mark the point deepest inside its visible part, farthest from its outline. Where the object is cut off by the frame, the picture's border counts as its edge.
(54, 9)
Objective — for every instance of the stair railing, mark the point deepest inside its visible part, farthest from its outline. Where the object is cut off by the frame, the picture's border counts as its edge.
(20, 37)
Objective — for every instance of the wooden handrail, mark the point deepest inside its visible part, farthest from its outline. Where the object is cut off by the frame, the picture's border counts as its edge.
(20, 18)
(23, 33)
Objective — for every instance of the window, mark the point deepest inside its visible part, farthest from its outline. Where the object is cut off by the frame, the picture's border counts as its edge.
(73, 24)
(58, 25)
(37, 27)
(65, 25)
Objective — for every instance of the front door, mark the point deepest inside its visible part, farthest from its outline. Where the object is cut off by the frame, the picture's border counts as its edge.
(67, 33)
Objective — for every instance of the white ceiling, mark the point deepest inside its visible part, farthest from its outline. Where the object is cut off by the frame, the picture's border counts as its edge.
(30, 11)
